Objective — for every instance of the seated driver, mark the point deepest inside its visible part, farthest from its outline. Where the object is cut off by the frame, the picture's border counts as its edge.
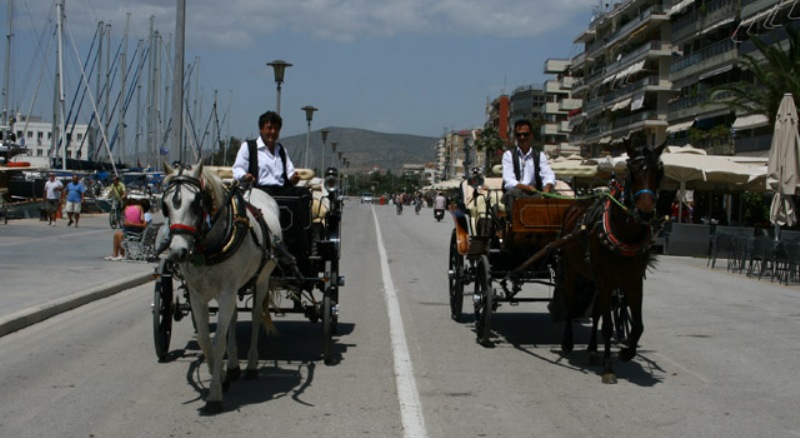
(526, 172)
(265, 163)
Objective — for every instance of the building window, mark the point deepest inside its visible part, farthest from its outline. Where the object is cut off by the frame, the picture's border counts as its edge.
(38, 152)
(30, 134)
(80, 136)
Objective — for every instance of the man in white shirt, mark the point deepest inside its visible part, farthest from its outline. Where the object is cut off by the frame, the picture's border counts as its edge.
(272, 167)
(265, 163)
(52, 189)
(522, 175)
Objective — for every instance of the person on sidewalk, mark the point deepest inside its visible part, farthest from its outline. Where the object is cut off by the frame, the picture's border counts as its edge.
(75, 197)
(135, 220)
(52, 195)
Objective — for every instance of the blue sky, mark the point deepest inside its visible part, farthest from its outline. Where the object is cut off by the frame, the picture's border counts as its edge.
(399, 66)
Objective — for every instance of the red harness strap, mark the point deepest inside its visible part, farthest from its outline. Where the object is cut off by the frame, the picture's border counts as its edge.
(625, 249)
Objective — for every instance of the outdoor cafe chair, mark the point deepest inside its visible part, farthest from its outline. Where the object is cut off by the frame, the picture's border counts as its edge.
(762, 256)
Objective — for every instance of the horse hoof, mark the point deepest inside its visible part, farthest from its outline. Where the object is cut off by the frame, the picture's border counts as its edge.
(610, 378)
(626, 354)
(234, 373)
(594, 358)
(213, 407)
(250, 374)
(567, 347)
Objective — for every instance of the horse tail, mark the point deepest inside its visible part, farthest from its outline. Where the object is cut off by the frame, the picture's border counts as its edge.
(269, 326)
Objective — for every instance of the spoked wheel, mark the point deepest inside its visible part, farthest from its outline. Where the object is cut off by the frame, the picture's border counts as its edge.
(621, 316)
(162, 316)
(455, 274)
(484, 300)
(330, 319)
(114, 218)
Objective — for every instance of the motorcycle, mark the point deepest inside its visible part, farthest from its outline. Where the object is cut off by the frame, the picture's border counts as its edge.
(418, 207)
(438, 214)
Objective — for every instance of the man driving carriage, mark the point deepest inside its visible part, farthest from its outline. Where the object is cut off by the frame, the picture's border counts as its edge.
(526, 172)
(265, 163)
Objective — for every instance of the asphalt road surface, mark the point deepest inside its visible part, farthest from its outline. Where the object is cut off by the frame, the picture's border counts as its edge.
(718, 358)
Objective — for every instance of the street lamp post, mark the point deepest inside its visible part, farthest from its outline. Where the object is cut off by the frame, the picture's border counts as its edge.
(324, 133)
(333, 147)
(309, 115)
(279, 66)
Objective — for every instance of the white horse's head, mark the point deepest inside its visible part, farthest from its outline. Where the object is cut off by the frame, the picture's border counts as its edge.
(189, 198)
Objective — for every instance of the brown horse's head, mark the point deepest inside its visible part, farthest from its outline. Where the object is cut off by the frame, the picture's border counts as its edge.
(644, 173)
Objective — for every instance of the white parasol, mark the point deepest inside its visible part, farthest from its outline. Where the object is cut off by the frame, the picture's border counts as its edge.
(783, 164)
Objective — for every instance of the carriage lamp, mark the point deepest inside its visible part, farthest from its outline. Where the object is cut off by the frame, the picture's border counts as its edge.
(331, 179)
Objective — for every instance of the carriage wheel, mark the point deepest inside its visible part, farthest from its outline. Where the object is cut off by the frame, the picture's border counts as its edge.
(455, 273)
(162, 316)
(621, 316)
(484, 303)
(330, 321)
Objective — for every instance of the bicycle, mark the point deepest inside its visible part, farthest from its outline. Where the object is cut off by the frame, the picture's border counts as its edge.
(115, 215)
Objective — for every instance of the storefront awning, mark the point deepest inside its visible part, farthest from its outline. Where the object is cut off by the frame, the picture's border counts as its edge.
(677, 8)
(677, 127)
(621, 104)
(750, 122)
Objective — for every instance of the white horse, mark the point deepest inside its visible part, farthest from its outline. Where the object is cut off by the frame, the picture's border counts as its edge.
(219, 248)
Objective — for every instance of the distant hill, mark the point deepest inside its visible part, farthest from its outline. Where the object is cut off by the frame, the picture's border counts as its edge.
(363, 148)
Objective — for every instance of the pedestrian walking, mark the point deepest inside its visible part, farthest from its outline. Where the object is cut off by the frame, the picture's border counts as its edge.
(52, 196)
(76, 195)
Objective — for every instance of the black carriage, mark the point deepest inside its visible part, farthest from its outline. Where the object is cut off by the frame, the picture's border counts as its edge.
(497, 253)
(310, 280)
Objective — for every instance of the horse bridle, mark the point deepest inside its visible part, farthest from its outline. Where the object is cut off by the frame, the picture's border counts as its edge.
(198, 206)
(631, 201)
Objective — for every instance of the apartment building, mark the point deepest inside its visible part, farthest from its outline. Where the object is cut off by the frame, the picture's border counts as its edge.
(526, 102)
(497, 115)
(623, 77)
(559, 104)
(705, 57)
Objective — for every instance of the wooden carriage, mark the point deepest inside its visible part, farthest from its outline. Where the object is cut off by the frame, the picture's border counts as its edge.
(489, 245)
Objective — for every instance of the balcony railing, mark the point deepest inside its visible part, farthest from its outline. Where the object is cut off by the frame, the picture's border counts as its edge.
(715, 49)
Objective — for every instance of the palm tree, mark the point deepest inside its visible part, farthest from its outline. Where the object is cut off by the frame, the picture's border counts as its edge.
(492, 145)
(774, 71)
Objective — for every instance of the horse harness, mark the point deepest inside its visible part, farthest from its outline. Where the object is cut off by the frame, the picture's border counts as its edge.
(237, 223)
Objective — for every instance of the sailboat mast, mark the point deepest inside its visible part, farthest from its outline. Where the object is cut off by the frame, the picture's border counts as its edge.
(176, 148)
(122, 92)
(8, 125)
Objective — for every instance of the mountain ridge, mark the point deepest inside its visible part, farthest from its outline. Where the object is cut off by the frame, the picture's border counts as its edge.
(363, 148)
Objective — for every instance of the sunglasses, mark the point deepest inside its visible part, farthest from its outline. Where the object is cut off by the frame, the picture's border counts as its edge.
(522, 134)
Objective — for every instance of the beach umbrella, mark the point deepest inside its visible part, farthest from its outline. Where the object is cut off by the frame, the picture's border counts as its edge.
(783, 165)
(573, 166)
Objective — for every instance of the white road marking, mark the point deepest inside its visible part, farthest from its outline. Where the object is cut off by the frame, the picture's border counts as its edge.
(407, 394)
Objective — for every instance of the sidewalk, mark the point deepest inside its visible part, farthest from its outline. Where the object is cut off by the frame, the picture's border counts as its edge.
(48, 270)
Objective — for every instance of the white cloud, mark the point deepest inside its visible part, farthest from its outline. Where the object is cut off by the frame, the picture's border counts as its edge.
(241, 23)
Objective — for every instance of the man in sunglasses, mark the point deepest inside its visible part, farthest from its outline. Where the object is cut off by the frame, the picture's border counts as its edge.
(526, 172)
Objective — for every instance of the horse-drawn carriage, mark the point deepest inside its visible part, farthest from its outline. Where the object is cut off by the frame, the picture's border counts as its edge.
(235, 244)
(591, 251)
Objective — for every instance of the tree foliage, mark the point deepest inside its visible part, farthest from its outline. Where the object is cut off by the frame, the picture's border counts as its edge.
(491, 144)
(774, 71)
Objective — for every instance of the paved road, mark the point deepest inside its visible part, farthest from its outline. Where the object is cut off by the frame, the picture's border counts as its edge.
(718, 358)
(47, 270)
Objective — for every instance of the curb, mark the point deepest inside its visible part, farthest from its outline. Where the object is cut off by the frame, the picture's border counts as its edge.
(32, 315)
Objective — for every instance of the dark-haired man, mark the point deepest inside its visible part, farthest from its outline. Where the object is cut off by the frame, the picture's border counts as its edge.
(526, 171)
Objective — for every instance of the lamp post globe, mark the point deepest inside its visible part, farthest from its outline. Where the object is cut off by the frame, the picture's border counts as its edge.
(279, 66)
(309, 116)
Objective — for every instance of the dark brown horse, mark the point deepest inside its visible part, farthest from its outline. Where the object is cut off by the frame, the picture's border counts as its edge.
(610, 246)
